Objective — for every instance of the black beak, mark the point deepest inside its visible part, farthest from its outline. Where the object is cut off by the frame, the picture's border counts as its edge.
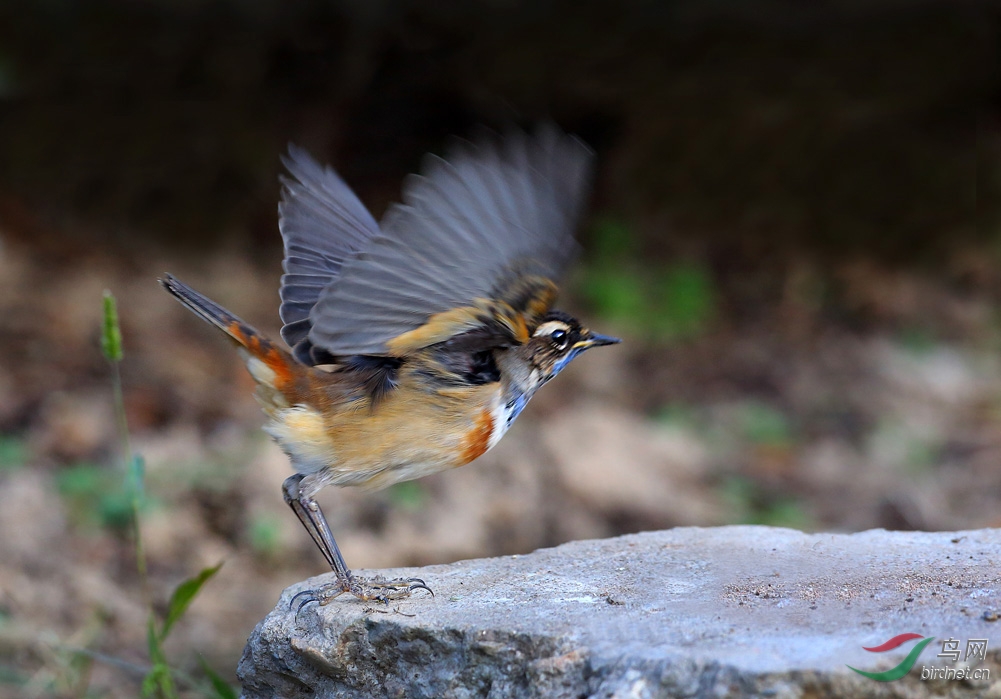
(596, 340)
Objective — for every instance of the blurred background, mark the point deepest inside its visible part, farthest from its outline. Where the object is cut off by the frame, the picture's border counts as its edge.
(794, 227)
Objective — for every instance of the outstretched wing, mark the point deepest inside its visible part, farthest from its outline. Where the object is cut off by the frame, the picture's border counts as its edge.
(477, 243)
(322, 224)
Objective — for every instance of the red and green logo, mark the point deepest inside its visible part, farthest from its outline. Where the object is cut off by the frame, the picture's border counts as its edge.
(905, 665)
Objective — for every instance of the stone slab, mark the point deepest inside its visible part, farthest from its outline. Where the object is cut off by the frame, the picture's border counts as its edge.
(740, 611)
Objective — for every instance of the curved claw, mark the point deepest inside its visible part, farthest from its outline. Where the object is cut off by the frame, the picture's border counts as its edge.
(321, 596)
(310, 597)
(300, 594)
(304, 603)
(418, 584)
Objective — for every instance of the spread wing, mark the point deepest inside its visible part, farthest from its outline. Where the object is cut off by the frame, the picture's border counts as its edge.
(322, 224)
(477, 243)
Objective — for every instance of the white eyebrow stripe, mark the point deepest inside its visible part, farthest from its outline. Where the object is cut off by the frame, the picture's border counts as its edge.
(549, 326)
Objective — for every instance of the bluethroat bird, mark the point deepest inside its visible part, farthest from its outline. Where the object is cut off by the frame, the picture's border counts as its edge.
(417, 341)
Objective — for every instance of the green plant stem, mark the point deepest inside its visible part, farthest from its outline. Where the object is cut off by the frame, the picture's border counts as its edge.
(134, 482)
(140, 552)
(120, 416)
(111, 346)
(158, 679)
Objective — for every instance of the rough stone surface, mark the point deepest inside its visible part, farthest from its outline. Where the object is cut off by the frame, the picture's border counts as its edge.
(723, 612)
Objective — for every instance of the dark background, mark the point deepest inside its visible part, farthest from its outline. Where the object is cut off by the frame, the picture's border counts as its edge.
(793, 226)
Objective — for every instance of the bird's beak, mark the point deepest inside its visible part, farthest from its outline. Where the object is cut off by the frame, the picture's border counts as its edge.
(595, 340)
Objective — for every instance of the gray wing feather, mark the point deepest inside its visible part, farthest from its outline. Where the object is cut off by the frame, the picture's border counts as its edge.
(322, 223)
(463, 227)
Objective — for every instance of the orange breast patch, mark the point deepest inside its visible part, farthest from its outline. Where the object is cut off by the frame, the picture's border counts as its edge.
(477, 440)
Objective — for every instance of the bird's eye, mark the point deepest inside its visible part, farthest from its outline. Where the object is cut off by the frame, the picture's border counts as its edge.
(559, 338)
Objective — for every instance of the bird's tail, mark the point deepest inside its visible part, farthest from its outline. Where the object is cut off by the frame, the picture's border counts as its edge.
(274, 369)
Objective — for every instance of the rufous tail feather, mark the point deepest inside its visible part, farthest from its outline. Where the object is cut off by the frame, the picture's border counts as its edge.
(272, 367)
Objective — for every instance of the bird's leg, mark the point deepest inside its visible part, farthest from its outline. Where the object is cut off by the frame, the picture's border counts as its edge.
(309, 513)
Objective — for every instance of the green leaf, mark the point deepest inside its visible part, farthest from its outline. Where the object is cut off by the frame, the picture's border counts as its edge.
(153, 640)
(223, 689)
(111, 336)
(183, 596)
(149, 683)
(158, 682)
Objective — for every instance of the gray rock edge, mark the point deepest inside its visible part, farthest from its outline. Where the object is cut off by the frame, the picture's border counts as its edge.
(690, 612)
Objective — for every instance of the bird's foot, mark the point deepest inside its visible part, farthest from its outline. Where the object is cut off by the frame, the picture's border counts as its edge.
(366, 589)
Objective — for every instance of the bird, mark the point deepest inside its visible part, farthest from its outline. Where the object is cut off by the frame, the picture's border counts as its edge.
(412, 344)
